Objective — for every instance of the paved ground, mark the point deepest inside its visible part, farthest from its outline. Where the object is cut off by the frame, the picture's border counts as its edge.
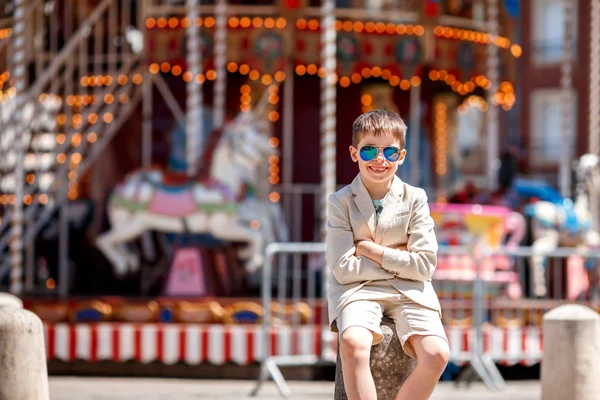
(70, 388)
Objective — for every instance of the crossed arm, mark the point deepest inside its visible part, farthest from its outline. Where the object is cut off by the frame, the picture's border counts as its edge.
(365, 260)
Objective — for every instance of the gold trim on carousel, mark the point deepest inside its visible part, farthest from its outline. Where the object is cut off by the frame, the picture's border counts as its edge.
(202, 312)
(509, 323)
(51, 312)
(533, 317)
(247, 306)
(284, 313)
(465, 322)
(103, 308)
(137, 312)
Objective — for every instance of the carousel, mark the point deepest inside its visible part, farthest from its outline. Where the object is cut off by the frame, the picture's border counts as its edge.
(244, 118)
(255, 101)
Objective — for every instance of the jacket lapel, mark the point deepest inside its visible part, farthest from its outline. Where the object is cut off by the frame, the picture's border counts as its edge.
(363, 201)
(390, 209)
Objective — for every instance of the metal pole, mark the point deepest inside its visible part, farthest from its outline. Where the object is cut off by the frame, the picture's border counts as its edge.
(64, 274)
(220, 87)
(415, 133)
(287, 135)
(594, 120)
(328, 108)
(147, 122)
(194, 89)
(566, 155)
(328, 126)
(492, 115)
(19, 75)
(147, 100)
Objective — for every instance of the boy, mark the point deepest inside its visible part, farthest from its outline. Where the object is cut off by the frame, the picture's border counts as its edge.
(382, 252)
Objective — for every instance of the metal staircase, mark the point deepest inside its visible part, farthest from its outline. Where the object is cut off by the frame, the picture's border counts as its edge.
(80, 72)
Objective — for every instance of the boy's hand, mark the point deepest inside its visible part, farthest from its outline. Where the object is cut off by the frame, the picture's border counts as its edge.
(360, 246)
(369, 249)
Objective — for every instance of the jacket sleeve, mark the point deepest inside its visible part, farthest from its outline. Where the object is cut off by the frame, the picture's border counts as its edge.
(418, 262)
(345, 266)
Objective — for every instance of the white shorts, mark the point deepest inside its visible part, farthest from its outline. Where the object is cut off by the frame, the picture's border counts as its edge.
(380, 298)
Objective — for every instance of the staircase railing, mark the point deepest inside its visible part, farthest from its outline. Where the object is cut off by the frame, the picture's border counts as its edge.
(84, 82)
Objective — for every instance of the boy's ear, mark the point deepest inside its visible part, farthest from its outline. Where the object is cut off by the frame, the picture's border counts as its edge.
(353, 153)
(402, 156)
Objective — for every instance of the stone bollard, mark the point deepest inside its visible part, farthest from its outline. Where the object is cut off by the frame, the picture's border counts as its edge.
(571, 359)
(390, 365)
(23, 372)
(7, 299)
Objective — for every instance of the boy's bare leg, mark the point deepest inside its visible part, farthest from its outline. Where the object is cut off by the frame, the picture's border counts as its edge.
(355, 349)
(432, 356)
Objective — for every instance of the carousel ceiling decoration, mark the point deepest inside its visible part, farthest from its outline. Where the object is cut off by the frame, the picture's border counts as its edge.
(402, 49)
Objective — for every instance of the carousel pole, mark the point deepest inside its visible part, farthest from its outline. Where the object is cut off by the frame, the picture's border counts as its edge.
(19, 75)
(220, 87)
(328, 108)
(287, 132)
(594, 120)
(566, 155)
(194, 89)
(147, 101)
(493, 112)
(415, 134)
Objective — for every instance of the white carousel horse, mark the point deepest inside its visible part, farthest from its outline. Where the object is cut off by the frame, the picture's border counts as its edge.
(142, 202)
(562, 222)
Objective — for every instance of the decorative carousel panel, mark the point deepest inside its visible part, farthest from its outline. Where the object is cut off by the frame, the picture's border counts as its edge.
(285, 314)
(260, 45)
(51, 312)
(137, 312)
(199, 313)
(169, 45)
(244, 312)
(91, 311)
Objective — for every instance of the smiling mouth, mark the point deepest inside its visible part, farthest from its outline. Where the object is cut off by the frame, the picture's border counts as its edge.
(378, 169)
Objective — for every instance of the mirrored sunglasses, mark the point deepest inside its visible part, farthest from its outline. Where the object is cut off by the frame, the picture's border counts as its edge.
(368, 153)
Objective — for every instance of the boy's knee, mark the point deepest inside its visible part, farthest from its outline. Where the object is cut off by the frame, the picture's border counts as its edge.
(440, 358)
(433, 352)
(437, 358)
(356, 342)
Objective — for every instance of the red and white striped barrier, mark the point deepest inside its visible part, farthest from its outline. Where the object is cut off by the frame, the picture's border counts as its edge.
(242, 344)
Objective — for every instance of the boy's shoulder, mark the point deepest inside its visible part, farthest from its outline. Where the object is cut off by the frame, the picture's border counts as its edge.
(413, 193)
(342, 194)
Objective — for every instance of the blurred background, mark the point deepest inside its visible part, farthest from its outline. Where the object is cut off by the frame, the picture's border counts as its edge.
(151, 150)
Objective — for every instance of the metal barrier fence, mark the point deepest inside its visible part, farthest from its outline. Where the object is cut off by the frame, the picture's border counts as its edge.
(315, 301)
(487, 313)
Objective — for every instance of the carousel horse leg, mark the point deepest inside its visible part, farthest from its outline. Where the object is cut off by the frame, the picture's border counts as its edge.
(228, 228)
(118, 217)
(110, 242)
(545, 241)
(133, 260)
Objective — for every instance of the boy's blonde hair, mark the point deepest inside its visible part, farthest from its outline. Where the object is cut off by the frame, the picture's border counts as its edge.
(379, 122)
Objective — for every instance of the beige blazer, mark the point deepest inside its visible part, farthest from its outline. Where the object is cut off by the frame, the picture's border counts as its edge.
(404, 221)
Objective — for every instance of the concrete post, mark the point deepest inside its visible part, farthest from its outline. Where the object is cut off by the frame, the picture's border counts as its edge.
(9, 300)
(571, 359)
(23, 372)
(390, 365)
